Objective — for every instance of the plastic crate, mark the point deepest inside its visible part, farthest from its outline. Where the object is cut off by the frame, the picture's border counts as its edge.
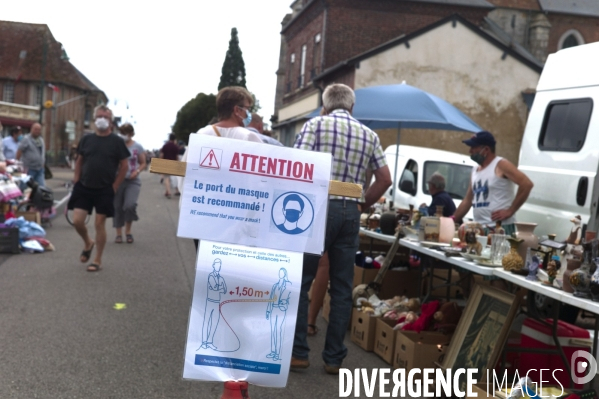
(9, 240)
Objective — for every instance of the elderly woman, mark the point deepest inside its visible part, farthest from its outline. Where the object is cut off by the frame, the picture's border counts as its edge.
(125, 199)
(233, 106)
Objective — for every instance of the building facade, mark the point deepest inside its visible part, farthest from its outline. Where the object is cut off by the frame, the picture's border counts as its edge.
(326, 41)
(39, 84)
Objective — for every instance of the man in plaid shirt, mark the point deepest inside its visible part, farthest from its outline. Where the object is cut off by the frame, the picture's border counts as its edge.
(355, 149)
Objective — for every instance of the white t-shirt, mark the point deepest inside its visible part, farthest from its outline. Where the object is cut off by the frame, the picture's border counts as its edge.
(238, 133)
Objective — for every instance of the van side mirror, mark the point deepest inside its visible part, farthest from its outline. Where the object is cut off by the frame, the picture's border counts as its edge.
(407, 187)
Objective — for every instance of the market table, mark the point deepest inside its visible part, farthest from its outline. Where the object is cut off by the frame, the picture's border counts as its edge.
(435, 254)
(551, 292)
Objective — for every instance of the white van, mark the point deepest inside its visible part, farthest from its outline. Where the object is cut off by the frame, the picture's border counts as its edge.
(414, 167)
(560, 146)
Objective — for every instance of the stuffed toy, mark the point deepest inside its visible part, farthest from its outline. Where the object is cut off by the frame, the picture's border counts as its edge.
(405, 321)
(424, 322)
(447, 317)
(473, 246)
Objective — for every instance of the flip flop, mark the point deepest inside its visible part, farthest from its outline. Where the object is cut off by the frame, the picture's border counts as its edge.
(314, 330)
(118, 240)
(129, 239)
(86, 254)
(93, 267)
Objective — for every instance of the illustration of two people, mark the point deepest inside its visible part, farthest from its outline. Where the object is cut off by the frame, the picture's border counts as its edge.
(216, 286)
(275, 312)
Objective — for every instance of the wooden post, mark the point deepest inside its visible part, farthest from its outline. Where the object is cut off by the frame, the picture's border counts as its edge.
(178, 168)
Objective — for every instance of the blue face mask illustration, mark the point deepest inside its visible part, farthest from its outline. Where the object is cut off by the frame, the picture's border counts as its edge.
(248, 118)
(292, 215)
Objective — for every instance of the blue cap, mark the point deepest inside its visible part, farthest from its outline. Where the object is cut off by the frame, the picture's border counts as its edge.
(480, 138)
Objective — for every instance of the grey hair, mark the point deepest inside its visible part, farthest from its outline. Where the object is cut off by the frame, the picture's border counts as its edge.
(337, 96)
(437, 180)
(103, 108)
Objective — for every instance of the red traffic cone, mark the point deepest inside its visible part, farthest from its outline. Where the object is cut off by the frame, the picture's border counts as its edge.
(236, 390)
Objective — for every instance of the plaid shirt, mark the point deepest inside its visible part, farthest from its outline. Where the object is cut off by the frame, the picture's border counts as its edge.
(354, 147)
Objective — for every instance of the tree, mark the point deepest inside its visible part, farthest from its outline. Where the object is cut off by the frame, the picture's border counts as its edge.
(195, 114)
(233, 72)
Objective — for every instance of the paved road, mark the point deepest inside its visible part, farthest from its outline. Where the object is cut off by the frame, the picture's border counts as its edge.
(60, 336)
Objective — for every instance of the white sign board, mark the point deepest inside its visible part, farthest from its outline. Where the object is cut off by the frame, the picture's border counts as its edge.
(255, 194)
(243, 313)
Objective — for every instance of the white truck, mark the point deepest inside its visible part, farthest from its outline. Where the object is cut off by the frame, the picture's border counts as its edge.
(560, 146)
(413, 169)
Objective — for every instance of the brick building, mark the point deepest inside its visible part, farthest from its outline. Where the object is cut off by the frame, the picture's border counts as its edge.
(324, 41)
(34, 68)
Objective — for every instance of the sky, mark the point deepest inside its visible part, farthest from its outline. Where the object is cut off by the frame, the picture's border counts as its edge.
(150, 58)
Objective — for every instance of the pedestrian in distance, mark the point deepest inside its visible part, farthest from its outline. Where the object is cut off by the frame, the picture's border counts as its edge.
(32, 152)
(257, 126)
(100, 169)
(10, 144)
(125, 199)
(170, 150)
(355, 149)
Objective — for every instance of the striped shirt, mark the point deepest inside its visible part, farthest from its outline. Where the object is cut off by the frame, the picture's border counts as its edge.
(355, 148)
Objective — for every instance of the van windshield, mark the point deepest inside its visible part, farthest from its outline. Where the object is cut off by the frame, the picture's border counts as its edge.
(457, 177)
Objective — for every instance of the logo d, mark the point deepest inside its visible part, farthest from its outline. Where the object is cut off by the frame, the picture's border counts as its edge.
(577, 366)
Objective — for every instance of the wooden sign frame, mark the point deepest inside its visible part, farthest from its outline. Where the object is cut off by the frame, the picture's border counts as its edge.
(178, 168)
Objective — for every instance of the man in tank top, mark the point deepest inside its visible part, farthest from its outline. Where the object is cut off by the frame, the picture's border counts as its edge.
(497, 188)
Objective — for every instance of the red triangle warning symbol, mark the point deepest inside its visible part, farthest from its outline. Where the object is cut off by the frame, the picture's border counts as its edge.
(210, 161)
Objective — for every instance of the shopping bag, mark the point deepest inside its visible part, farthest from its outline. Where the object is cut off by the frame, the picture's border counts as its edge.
(47, 172)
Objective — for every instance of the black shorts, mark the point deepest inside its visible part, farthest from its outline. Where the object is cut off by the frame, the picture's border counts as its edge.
(89, 198)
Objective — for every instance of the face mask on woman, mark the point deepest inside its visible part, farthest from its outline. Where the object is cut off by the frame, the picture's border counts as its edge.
(248, 118)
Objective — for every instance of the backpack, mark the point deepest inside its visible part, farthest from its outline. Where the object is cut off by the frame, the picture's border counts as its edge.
(43, 197)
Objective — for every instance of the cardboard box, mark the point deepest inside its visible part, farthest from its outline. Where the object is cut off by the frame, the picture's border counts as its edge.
(395, 282)
(363, 328)
(384, 339)
(430, 227)
(419, 350)
(30, 216)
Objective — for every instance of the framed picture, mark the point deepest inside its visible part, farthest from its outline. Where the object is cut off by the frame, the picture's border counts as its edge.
(482, 331)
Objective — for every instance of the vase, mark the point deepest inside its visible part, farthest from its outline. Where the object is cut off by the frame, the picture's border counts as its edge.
(513, 260)
(571, 265)
(525, 231)
(580, 279)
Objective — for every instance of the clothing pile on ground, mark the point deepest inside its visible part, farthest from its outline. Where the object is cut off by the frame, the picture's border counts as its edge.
(31, 235)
